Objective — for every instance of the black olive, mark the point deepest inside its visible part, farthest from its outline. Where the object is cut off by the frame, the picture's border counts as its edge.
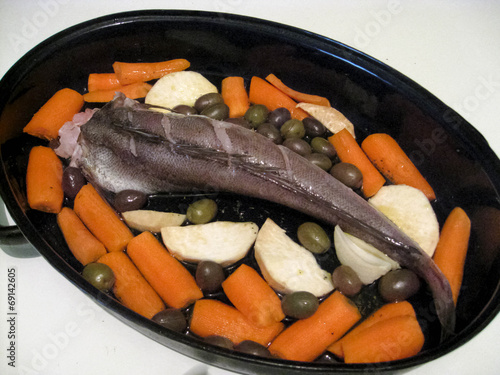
(348, 174)
(72, 181)
(209, 276)
(398, 285)
(346, 281)
(297, 145)
(129, 200)
(171, 318)
(299, 305)
(207, 100)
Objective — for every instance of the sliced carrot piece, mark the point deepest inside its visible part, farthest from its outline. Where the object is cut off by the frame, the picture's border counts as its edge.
(44, 180)
(101, 219)
(296, 95)
(262, 92)
(388, 311)
(306, 339)
(133, 91)
(253, 296)
(349, 151)
(168, 277)
(130, 287)
(451, 249)
(59, 109)
(212, 317)
(83, 244)
(235, 96)
(388, 340)
(390, 159)
(128, 73)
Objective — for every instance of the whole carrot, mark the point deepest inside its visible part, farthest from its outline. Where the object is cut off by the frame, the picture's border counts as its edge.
(130, 287)
(306, 339)
(168, 277)
(349, 151)
(451, 249)
(59, 109)
(390, 159)
(44, 180)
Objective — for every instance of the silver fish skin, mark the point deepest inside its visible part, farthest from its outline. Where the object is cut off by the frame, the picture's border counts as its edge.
(126, 145)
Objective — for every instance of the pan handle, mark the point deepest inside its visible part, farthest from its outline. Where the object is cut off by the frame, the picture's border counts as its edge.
(11, 235)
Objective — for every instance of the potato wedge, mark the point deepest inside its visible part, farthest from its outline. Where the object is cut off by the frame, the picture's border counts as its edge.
(223, 242)
(287, 266)
(152, 221)
(411, 211)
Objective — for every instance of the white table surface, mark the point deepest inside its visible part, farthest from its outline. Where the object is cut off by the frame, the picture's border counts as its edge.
(452, 48)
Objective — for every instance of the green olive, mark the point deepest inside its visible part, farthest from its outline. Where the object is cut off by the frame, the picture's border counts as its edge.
(172, 319)
(299, 305)
(293, 128)
(346, 281)
(297, 145)
(99, 275)
(322, 146)
(256, 114)
(313, 237)
(348, 174)
(270, 131)
(207, 100)
(321, 160)
(219, 111)
(201, 211)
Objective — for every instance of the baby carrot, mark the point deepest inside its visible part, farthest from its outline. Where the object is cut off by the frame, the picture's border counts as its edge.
(83, 244)
(349, 151)
(101, 219)
(44, 180)
(102, 81)
(296, 95)
(212, 317)
(59, 109)
(168, 277)
(388, 340)
(253, 296)
(385, 312)
(306, 339)
(133, 91)
(390, 159)
(128, 73)
(235, 96)
(130, 287)
(262, 92)
(451, 249)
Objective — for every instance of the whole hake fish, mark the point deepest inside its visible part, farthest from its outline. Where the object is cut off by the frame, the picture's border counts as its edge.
(127, 145)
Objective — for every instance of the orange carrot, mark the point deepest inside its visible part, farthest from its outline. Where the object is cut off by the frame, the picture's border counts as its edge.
(388, 340)
(306, 339)
(262, 92)
(130, 287)
(235, 96)
(253, 296)
(101, 219)
(44, 180)
(212, 317)
(128, 73)
(349, 151)
(83, 244)
(168, 277)
(132, 91)
(390, 159)
(388, 311)
(59, 109)
(102, 81)
(451, 249)
(296, 95)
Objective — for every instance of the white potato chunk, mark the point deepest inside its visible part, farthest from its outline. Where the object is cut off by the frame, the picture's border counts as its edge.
(287, 266)
(411, 211)
(333, 120)
(368, 262)
(152, 221)
(223, 242)
(179, 88)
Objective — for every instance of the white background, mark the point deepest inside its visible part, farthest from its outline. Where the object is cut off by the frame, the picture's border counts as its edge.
(452, 48)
